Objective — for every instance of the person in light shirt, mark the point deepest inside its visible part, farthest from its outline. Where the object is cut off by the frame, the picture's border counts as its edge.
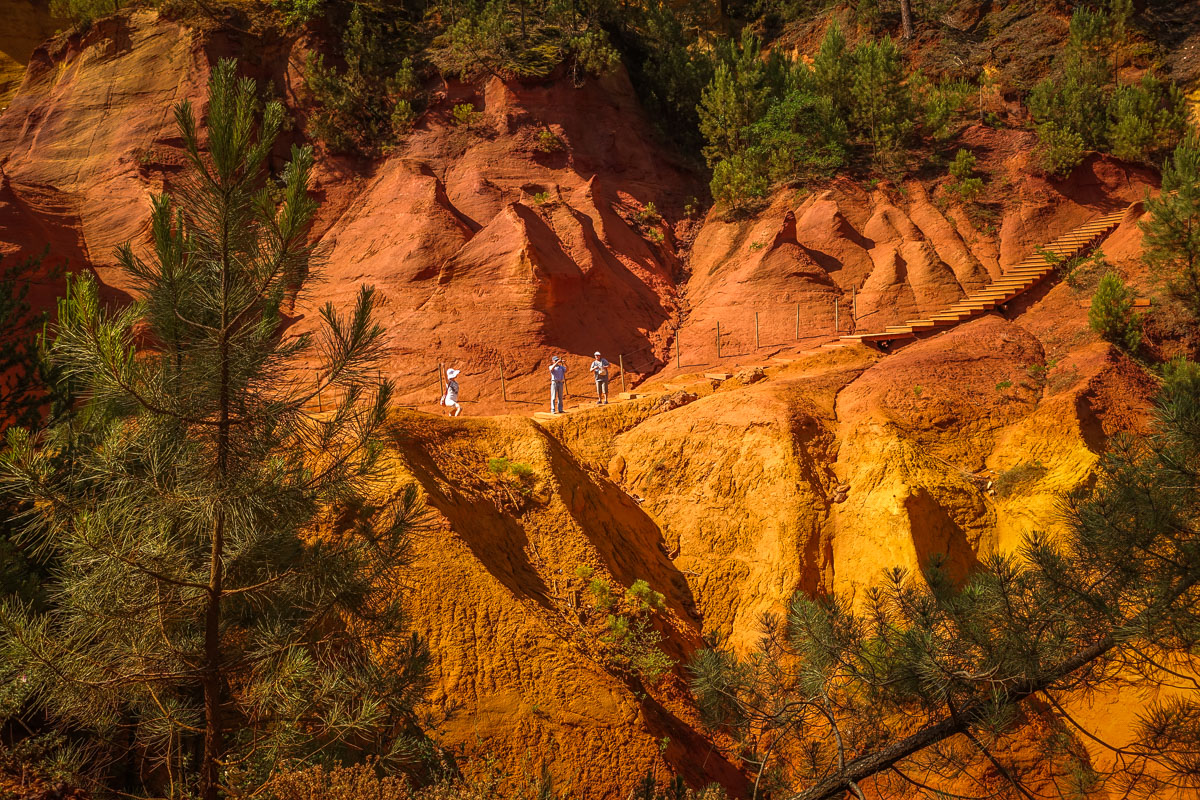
(600, 371)
(558, 378)
(450, 401)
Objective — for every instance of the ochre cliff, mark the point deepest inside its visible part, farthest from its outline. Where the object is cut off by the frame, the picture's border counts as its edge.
(816, 472)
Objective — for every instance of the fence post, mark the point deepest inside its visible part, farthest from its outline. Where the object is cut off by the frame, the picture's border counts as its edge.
(319, 408)
(756, 344)
(621, 362)
(836, 326)
(797, 321)
(441, 386)
(854, 302)
(678, 346)
(503, 388)
(718, 338)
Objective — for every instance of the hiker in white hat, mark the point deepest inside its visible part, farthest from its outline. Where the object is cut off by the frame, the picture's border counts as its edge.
(558, 379)
(450, 401)
(600, 371)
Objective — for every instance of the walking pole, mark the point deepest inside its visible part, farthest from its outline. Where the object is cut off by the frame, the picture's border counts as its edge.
(621, 362)
(503, 388)
(718, 338)
(756, 345)
(797, 320)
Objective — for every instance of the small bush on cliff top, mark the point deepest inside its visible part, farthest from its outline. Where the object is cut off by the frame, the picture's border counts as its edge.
(1112, 315)
(1059, 150)
(601, 594)
(629, 635)
(546, 141)
(962, 177)
(465, 115)
(645, 598)
(634, 644)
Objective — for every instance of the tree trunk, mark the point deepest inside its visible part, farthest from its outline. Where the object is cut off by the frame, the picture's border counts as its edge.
(212, 667)
(212, 680)
(906, 19)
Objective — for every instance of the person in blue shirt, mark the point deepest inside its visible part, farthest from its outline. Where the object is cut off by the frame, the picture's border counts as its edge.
(600, 371)
(558, 379)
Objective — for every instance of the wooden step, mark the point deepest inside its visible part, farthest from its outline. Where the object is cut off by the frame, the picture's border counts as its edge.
(718, 376)
(1012, 282)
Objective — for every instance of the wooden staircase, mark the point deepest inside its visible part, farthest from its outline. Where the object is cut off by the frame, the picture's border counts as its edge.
(1017, 279)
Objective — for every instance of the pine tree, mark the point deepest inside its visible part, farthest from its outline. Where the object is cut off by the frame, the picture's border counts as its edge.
(1075, 100)
(833, 70)
(226, 595)
(1059, 150)
(1172, 231)
(1146, 119)
(881, 100)
(737, 95)
(723, 116)
(931, 675)
(800, 137)
(740, 181)
(1112, 316)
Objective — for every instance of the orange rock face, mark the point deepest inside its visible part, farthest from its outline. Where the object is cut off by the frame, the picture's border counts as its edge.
(815, 473)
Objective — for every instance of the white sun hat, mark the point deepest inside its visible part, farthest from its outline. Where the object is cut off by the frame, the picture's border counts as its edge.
(452, 373)
(597, 353)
